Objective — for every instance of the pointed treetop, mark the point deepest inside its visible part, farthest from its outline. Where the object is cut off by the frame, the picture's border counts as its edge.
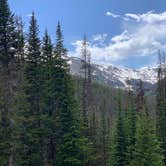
(4, 7)
(47, 45)
(59, 36)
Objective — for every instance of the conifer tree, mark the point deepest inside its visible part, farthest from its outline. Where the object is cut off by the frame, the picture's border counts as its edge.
(119, 147)
(130, 127)
(49, 111)
(8, 50)
(71, 145)
(104, 138)
(147, 149)
(8, 34)
(31, 127)
(161, 103)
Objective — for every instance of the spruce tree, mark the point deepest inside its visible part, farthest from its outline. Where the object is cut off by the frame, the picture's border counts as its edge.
(71, 144)
(130, 127)
(104, 138)
(8, 34)
(8, 72)
(31, 127)
(161, 104)
(49, 111)
(147, 148)
(119, 147)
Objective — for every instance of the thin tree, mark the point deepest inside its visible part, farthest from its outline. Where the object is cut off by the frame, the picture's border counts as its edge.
(161, 104)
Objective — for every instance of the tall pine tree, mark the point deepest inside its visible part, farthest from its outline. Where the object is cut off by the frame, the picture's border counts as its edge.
(130, 127)
(49, 110)
(147, 149)
(119, 147)
(31, 127)
(71, 145)
(8, 72)
(161, 104)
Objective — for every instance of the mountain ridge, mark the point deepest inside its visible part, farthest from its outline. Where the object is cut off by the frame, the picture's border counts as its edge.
(118, 77)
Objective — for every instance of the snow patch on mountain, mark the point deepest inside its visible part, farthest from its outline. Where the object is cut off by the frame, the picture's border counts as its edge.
(118, 76)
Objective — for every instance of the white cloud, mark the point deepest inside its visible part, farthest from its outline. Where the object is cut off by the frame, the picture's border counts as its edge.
(143, 35)
(100, 37)
(108, 13)
(149, 17)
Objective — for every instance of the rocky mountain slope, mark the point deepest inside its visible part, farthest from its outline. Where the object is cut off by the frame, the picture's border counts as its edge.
(119, 76)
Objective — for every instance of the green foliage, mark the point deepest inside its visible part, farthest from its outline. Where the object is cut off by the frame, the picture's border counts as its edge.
(71, 145)
(130, 128)
(119, 147)
(31, 116)
(40, 120)
(8, 34)
(104, 138)
(147, 148)
(161, 125)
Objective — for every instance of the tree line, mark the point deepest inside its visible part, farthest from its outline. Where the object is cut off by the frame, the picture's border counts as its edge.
(44, 122)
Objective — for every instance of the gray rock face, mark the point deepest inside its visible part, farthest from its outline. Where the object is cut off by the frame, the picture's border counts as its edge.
(119, 76)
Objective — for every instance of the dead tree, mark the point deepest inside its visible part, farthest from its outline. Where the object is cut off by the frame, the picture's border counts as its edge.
(86, 96)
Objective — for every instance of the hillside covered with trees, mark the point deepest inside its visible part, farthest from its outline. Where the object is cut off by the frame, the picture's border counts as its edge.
(50, 118)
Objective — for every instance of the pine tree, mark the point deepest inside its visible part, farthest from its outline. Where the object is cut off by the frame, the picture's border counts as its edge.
(93, 139)
(21, 40)
(104, 138)
(147, 149)
(71, 145)
(161, 103)
(31, 127)
(130, 127)
(119, 147)
(8, 34)
(8, 72)
(49, 110)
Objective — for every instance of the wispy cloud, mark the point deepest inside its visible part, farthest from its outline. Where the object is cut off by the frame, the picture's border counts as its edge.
(149, 17)
(108, 13)
(142, 36)
(99, 37)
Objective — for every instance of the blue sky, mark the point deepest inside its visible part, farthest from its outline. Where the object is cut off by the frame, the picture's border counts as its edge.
(112, 27)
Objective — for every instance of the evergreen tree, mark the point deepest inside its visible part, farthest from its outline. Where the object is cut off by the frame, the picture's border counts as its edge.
(20, 40)
(49, 110)
(71, 145)
(147, 148)
(8, 72)
(161, 125)
(119, 147)
(104, 138)
(8, 34)
(31, 127)
(130, 127)
(161, 103)
(93, 140)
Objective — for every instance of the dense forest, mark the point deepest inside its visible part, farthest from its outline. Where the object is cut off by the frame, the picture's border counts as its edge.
(50, 118)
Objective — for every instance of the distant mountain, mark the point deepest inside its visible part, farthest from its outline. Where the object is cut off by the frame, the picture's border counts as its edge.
(119, 76)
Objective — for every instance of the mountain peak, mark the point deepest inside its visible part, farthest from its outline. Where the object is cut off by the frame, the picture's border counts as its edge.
(118, 76)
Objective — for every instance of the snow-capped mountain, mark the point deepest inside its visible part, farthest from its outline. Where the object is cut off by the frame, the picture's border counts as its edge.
(119, 76)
